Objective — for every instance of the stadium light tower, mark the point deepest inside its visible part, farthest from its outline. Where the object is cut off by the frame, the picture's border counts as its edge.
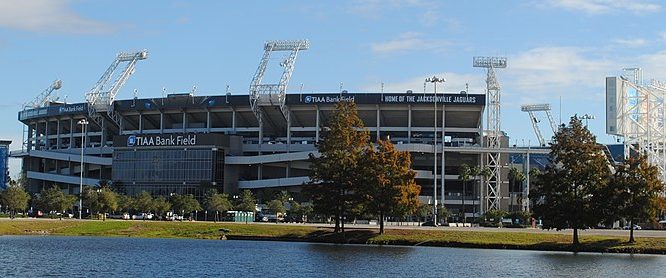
(434, 80)
(493, 136)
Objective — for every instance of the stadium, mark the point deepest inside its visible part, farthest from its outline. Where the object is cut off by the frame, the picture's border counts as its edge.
(183, 143)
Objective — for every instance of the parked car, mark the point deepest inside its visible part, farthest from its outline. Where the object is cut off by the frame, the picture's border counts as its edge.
(170, 216)
(143, 216)
(124, 216)
(636, 227)
(429, 223)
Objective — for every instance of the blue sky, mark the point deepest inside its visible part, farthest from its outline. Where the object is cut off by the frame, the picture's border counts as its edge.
(555, 48)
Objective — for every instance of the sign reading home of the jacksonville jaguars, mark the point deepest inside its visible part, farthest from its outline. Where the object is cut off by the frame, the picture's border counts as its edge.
(453, 99)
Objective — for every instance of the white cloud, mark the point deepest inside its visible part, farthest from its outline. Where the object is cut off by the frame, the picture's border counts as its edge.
(631, 42)
(48, 16)
(408, 41)
(653, 65)
(605, 6)
(562, 70)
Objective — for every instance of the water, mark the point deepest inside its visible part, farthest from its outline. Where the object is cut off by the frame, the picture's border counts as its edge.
(35, 256)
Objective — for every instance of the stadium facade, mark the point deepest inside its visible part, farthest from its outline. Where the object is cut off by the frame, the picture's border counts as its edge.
(186, 144)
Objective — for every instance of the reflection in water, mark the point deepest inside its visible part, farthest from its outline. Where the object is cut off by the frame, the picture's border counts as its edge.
(131, 257)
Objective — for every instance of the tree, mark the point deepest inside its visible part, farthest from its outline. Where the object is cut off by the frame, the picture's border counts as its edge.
(100, 200)
(277, 207)
(185, 203)
(53, 199)
(335, 172)
(464, 174)
(387, 182)
(15, 199)
(161, 205)
(634, 192)
(217, 202)
(143, 202)
(247, 201)
(423, 211)
(516, 179)
(564, 192)
(475, 172)
(125, 203)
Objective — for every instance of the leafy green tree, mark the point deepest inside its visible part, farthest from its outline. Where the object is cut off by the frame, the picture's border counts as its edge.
(247, 201)
(277, 207)
(161, 205)
(387, 184)
(335, 173)
(635, 192)
(100, 200)
(15, 198)
(564, 193)
(125, 203)
(442, 212)
(423, 211)
(495, 215)
(185, 203)
(53, 199)
(143, 202)
(217, 202)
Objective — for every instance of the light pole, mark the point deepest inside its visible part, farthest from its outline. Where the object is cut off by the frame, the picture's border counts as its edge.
(587, 117)
(434, 80)
(84, 124)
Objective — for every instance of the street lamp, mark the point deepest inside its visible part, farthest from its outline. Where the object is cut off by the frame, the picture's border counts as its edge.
(84, 124)
(434, 80)
(587, 117)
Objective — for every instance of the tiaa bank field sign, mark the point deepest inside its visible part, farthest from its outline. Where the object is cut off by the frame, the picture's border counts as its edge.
(163, 140)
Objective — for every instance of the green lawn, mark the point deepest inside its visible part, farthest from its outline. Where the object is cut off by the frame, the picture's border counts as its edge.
(209, 230)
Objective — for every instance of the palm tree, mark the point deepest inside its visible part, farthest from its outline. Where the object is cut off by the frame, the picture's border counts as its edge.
(484, 172)
(464, 175)
(516, 177)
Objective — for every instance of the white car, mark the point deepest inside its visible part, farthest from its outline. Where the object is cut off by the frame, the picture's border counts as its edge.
(143, 216)
(636, 227)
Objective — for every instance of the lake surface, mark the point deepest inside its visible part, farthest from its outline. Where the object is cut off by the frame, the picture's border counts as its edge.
(39, 256)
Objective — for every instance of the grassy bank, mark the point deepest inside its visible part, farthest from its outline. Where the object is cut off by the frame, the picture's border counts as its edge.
(199, 230)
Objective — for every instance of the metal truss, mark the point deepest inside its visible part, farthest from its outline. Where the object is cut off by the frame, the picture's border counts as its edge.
(532, 110)
(274, 94)
(100, 98)
(641, 116)
(41, 100)
(493, 183)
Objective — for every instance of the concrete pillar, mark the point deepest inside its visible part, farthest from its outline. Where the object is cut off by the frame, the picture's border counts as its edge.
(288, 132)
(140, 123)
(317, 125)
(58, 143)
(47, 144)
(184, 122)
(409, 124)
(378, 125)
(233, 120)
(71, 133)
(161, 121)
(208, 121)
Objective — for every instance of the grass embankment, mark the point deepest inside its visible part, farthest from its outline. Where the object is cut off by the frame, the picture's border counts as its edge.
(445, 238)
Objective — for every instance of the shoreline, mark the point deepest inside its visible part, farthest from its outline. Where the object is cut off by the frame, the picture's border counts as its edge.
(509, 239)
